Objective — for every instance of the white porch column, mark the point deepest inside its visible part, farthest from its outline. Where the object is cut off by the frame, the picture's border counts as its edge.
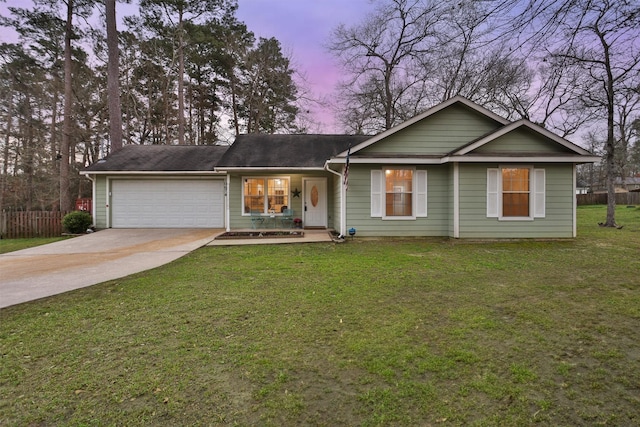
(456, 200)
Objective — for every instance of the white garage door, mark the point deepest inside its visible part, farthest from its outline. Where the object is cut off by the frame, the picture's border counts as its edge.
(166, 203)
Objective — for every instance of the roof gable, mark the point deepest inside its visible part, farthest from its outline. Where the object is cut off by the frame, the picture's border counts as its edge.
(437, 131)
(521, 136)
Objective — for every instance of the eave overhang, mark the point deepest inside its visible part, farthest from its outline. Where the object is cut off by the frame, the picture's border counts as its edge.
(484, 158)
(167, 173)
(224, 170)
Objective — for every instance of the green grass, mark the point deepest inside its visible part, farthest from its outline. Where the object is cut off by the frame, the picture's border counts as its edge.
(11, 245)
(391, 332)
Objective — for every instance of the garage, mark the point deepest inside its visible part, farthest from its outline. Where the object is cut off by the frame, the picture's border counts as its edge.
(167, 203)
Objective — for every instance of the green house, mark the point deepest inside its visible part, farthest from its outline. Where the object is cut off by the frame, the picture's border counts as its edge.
(457, 170)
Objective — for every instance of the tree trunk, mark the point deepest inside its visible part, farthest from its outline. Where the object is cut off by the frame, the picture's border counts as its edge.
(234, 106)
(65, 190)
(113, 75)
(610, 149)
(5, 153)
(53, 128)
(388, 102)
(180, 81)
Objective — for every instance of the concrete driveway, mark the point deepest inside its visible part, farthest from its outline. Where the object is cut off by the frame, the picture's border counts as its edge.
(59, 267)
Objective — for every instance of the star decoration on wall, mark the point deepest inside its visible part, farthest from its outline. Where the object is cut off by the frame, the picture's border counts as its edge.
(296, 192)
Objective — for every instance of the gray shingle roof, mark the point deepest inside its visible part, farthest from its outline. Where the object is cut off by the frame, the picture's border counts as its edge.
(161, 158)
(286, 151)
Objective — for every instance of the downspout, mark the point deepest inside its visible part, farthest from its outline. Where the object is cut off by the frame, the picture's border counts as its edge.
(456, 200)
(343, 201)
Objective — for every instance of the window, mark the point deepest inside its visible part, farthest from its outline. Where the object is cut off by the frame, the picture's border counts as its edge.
(398, 193)
(265, 194)
(515, 193)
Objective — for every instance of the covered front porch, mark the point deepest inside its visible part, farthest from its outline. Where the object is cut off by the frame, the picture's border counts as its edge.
(280, 200)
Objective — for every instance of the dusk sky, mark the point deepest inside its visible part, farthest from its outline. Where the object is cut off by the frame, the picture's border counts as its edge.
(302, 27)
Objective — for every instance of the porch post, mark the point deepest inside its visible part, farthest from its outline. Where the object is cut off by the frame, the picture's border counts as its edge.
(227, 214)
(343, 207)
(575, 202)
(456, 200)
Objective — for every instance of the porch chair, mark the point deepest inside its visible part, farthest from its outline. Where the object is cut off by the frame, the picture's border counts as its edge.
(256, 219)
(287, 218)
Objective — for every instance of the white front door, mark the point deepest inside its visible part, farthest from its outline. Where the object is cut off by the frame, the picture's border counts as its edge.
(315, 202)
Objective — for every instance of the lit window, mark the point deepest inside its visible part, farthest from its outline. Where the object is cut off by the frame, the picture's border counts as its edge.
(515, 192)
(398, 192)
(265, 194)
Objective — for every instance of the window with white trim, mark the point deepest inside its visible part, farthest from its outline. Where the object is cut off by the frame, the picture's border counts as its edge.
(265, 195)
(398, 193)
(515, 192)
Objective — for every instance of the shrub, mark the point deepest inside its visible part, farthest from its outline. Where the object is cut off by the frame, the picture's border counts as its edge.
(77, 222)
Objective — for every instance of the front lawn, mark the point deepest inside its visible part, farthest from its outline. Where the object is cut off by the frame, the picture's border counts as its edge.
(11, 245)
(390, 332)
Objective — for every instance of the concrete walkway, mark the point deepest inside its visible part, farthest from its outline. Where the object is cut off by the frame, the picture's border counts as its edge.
(310, 236)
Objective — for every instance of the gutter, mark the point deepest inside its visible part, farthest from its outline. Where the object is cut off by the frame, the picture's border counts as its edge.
(471, 159)
(223, 170)
(168, 173)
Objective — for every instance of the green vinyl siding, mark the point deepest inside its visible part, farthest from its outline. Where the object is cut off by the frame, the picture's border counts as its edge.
(100, 202)
(439, 133)
(359, 206)
(559, 197)
(522, 141)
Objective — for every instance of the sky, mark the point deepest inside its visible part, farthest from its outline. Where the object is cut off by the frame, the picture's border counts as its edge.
(303, 28)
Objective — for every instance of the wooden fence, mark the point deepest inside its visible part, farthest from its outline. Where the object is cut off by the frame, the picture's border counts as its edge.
(601, 199)
(16, 225)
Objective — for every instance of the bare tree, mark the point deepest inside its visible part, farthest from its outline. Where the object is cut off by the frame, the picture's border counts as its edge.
(381, 55)
(601, 40)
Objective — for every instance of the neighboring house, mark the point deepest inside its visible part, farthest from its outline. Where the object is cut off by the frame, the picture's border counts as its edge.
(630, 183)
(457, 170)
(582, 187)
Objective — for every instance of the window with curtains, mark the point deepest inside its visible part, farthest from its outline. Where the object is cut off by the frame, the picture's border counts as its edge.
(265, 194)
(398, 192)
(516, 192)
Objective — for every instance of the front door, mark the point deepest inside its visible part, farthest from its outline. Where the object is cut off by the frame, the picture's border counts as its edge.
(315, 202)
